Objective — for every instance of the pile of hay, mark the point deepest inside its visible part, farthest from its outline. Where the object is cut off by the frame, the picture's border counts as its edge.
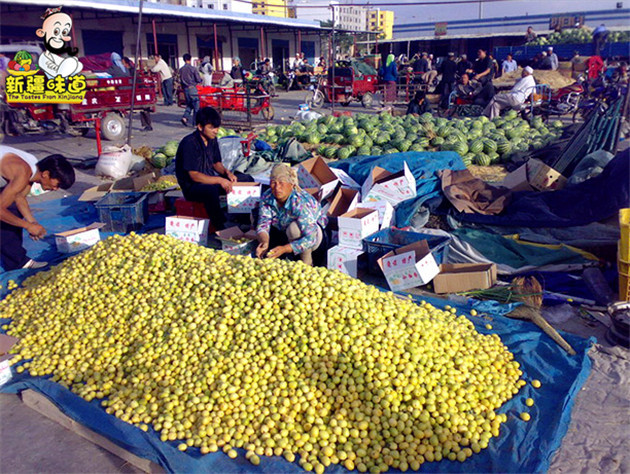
(555, 79)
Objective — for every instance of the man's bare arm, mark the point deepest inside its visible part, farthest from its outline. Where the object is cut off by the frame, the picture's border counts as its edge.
(23, 207)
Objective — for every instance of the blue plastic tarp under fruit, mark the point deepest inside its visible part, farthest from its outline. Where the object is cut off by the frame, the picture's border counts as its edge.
(60, 215)
(521, 446)
(423, 165)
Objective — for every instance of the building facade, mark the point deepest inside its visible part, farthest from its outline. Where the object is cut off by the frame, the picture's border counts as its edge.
(383, 21)
(278, 8)
(231, 5)
(351, 17)
(314, 10)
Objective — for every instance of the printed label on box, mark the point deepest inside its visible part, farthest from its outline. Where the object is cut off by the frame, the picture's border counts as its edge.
(5, 372)
(386, 214)
(344, 259)
(78, 239)
(355, 225)
(188, 229)
(244, 198)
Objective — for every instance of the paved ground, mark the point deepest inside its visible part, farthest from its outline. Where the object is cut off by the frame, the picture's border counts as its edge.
(30, 443)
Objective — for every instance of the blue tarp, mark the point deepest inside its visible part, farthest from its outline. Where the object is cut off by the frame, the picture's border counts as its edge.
(60, 215)
(521, 446)
(590, 201)
(424, 166)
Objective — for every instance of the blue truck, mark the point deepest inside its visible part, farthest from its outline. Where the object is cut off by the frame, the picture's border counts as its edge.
(525, 53)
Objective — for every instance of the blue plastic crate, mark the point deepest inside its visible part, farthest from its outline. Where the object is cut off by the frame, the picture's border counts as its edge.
(386, 240)
(123, 212)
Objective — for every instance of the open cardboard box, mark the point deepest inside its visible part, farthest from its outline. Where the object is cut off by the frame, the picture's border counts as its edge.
(534, 175)
(345, 200)
(123, 185)
(315, 173)
(355, 225)
(244, 198)
(228, 244)
(350, 261)
(409, 266)
(386, 213)
(78, 239)
(391, 187)
(458, 277)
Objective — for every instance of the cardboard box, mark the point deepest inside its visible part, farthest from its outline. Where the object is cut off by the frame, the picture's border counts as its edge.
(244, 198)
(122, 185)
(391, 187)
(534, 175)
(315, 173)
(6, 343)
(345, 200)
(458, 277)
(347, 260)
(78, 239)
(188, 229)
(386, 214)
(355, 225)
(228, 239)
(409, 266)
(345, 179)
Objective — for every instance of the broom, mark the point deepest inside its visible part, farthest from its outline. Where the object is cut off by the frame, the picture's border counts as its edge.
(529, 292)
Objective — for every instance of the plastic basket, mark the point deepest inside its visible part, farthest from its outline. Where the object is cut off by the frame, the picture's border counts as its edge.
(123, 212)
(386, 240)
(624, 226)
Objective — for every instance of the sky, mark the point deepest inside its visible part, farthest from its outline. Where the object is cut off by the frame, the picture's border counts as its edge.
(442, 12)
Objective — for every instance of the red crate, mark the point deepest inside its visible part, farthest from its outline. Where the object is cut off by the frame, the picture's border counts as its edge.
(190, 209)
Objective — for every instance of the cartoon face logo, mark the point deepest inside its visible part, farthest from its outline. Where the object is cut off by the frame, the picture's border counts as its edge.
(55, 32)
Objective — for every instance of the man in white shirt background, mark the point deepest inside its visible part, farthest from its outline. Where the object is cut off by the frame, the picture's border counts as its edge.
(553, 57)
(517, 96)
(166, 77)
(509, 65)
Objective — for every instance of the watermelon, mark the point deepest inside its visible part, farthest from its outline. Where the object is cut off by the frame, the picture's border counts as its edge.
(321, 150)
(343, 153)
(390, 151)
(489, 146)
(437, 141)
(511, 115)
(313, 138)
(159, 160)
(405, 145)
(482, 159)
(504, 147)
(461, 148)
(376, 151)
(416, 147)
(423, 142)
(557, 124)
(476, 146)
(331, 152)
(363, 151)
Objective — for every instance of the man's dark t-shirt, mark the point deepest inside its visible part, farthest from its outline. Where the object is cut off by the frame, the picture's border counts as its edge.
(449, 69)
(421, 66)
(481, 65)
(194, 155)
(463, 66)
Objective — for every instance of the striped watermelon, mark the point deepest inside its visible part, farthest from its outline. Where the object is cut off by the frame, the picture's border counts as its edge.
(437, 141)
(489, 146)
(476, 146)
(482, 159)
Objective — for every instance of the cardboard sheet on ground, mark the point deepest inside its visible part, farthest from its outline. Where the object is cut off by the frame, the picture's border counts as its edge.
(521, 446)
(423, 165)
(590, 201)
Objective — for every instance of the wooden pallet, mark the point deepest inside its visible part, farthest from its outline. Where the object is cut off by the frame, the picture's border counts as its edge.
(43, 405)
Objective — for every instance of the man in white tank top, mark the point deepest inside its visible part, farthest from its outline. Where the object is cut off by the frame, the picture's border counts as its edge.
(18, 171)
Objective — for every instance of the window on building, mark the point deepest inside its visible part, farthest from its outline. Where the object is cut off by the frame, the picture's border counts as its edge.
(210, 6)
(225, 6)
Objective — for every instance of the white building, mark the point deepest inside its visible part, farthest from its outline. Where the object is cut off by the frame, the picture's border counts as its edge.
(314, 10)
(351, 17)
(230, 5)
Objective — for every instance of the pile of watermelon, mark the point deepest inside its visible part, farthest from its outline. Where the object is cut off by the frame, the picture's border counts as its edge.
(477, 140)
(575, 35)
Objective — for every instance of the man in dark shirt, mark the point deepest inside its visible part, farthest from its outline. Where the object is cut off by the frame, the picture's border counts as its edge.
(463, 65)
(421, 65)
(419, 104)
(482, 67)
(199, 170)
(448, 68)
(189, 78)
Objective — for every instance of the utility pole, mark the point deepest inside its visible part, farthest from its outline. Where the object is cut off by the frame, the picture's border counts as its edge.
(135, 74)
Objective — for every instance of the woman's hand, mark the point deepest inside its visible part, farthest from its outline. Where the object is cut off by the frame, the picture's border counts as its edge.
(279, 251)
(231, 176)
(262, 249)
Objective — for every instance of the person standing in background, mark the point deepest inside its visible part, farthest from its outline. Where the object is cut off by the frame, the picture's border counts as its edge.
(389, 74)
(509, 65)
(145, 115)
(530, 35)
(600, 35)
(189, 78)
(463, 65)
(448, 69)
(553, 58)
(206, 71)
(166, 77)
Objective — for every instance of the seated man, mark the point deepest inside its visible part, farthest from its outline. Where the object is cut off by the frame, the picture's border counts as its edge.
(474, 91)
(199, 170)
(419, 104)
(290, 219)
(18, 171)
(516, 97)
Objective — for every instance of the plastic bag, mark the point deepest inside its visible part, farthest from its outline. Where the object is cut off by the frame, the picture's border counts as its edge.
(232, 152)
(114, 162)
(306, 116)
(590, 166)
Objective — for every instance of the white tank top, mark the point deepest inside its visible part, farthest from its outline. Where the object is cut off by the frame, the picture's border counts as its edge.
(30, 160)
